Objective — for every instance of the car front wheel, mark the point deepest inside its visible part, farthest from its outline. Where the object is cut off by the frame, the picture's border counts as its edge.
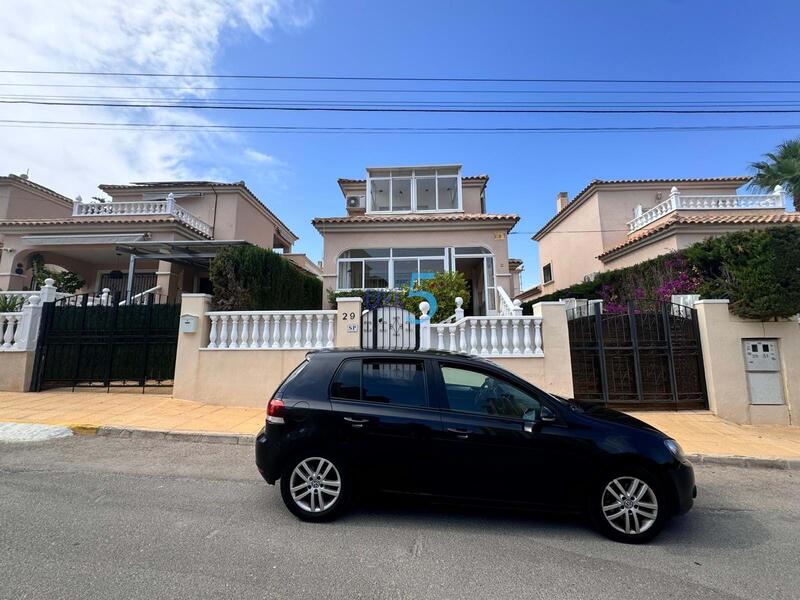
(316, 487)
(629, 506)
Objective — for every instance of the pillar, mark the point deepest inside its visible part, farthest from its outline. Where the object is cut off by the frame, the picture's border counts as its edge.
(348, 322)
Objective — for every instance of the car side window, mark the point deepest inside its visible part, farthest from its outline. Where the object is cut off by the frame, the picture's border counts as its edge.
(396, 381)
(474, 391)
(347, 381)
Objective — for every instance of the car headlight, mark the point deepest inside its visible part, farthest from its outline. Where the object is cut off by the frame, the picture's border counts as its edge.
(676, 449)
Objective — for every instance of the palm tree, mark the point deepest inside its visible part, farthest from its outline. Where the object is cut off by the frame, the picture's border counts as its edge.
(782, 168)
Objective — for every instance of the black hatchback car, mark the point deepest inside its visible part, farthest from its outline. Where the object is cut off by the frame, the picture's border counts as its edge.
(464, 429)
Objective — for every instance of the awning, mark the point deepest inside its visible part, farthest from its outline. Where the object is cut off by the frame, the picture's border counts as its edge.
(70, 240)
(197, 253)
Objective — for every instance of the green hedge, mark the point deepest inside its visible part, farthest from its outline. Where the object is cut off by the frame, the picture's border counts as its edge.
(253, 278)
(758, 271)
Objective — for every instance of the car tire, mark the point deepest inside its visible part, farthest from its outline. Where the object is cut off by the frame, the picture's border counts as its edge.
(629, 505)
(316, 486)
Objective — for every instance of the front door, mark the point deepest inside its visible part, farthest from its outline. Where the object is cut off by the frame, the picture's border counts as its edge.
(385, 421)
(487, 450)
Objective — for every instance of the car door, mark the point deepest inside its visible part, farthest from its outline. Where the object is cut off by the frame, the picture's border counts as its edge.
(385, 421)
(488, 451)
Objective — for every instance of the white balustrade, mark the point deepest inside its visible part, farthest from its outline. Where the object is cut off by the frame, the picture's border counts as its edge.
(678, 201)
(142, 208)
(19, 330)
(494, 336)
(290, 329)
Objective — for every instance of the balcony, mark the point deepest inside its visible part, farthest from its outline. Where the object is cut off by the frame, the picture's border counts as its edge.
(143, 208)
(677, 201)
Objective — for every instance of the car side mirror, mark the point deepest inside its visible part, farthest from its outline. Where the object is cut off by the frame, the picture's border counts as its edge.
(532, 417)
(547, 416)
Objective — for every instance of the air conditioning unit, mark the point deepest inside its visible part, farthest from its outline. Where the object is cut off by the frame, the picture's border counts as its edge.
(356, 201)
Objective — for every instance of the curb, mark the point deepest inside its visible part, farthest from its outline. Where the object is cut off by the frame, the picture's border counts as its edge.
(748, 462)
(180, 436)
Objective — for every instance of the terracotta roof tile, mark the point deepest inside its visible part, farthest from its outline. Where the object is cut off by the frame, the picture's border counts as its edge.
(36, 186)
(581, 196)
(678, 219)
(416, 218)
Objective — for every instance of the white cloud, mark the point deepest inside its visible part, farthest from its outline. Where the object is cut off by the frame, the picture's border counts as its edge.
(177, 36)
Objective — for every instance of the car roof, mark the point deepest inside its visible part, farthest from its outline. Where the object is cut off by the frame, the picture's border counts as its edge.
(380, 353)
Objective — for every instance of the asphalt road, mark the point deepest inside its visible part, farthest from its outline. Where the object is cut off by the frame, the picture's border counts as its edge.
(114, 518)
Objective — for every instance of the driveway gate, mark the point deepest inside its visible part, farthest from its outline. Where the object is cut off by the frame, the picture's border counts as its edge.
(646, 357)
(89, 341)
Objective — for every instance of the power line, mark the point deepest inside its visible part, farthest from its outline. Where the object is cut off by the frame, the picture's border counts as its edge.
(112, 126)
(387, 78)
(362, 109)
(385, 90)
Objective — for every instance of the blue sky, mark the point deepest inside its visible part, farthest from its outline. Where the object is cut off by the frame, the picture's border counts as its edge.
(296, 176)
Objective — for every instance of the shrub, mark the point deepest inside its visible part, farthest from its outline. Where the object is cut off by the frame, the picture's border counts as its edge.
(11, 304)
(758, 271)
(65, 281)
(253, 278)
(445, 287)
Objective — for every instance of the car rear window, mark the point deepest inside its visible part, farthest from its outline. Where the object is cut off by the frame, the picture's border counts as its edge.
(299, 369)
(398, 382)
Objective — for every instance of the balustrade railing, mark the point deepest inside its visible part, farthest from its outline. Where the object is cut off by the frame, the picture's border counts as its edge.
(18, 330)
(508, 307)
(271, 330)
(142, 208)
(678, 201)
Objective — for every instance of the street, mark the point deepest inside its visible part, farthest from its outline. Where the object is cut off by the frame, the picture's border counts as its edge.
(95, 517)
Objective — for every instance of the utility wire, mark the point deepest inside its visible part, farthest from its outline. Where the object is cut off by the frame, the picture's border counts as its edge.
(372, 78)
(112, 126)
(297, 108)
(387, 90)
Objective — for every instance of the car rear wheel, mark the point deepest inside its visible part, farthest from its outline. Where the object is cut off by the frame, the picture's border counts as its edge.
(316, 487)
(629, 506)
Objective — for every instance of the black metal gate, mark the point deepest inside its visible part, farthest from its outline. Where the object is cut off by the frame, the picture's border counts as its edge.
(389, 328)
(647, 357)
(93, 341)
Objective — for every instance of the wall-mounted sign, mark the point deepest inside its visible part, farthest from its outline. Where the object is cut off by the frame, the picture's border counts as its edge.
(352, 328)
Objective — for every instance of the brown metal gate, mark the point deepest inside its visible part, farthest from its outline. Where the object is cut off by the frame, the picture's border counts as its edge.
(647, 357)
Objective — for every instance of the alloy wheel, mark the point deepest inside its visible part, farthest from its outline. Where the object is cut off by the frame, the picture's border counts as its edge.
(315, 484)
(629, 505)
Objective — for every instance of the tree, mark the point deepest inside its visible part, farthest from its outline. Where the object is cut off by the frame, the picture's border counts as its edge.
(782, 167)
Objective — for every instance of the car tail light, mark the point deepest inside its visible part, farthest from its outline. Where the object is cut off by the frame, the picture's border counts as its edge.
(276, 409)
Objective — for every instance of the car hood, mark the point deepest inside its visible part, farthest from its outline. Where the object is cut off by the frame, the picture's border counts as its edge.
(609, 415)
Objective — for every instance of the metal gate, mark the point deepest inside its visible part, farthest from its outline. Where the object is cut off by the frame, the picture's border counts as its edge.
(646, 357)
(389, 328)
(104, 341)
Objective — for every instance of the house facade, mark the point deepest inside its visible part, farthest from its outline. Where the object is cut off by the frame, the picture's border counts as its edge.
(405, 220)
(615, 224)
(165, 232)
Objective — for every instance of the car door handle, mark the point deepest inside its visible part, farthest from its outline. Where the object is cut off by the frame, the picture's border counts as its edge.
(461, 433)
(358, 423)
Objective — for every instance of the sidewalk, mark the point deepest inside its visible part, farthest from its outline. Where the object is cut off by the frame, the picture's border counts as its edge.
(699, 432)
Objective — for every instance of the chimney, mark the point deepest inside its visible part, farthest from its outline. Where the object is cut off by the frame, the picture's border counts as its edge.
(561, 201)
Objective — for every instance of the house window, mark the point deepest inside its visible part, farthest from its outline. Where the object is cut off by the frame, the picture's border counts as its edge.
(386, 268)
(414, 190)
(547, 273)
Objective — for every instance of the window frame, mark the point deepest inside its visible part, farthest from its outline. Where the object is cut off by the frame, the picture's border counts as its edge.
(544, 267)
(444, 402)
(424, 174)
(390, 259)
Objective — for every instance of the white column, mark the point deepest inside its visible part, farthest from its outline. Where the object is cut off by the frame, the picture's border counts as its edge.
(526, 335)
(11, 325)
(212, 336)
(462, 337)
(28, 328)
(318, 336)
(504, 328)
(515, 335)
(453, 332)
(276, 332)
(494, 344)
(309, 332)
(329, 342)
(424, 326)
(223, 336)
(254, 331)
(537, 337)
(265, 332)
(234, 332)
(287, 331)
(245, 341)
(484, 342)
(473, 335)
(298, 331)
(440, 337)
